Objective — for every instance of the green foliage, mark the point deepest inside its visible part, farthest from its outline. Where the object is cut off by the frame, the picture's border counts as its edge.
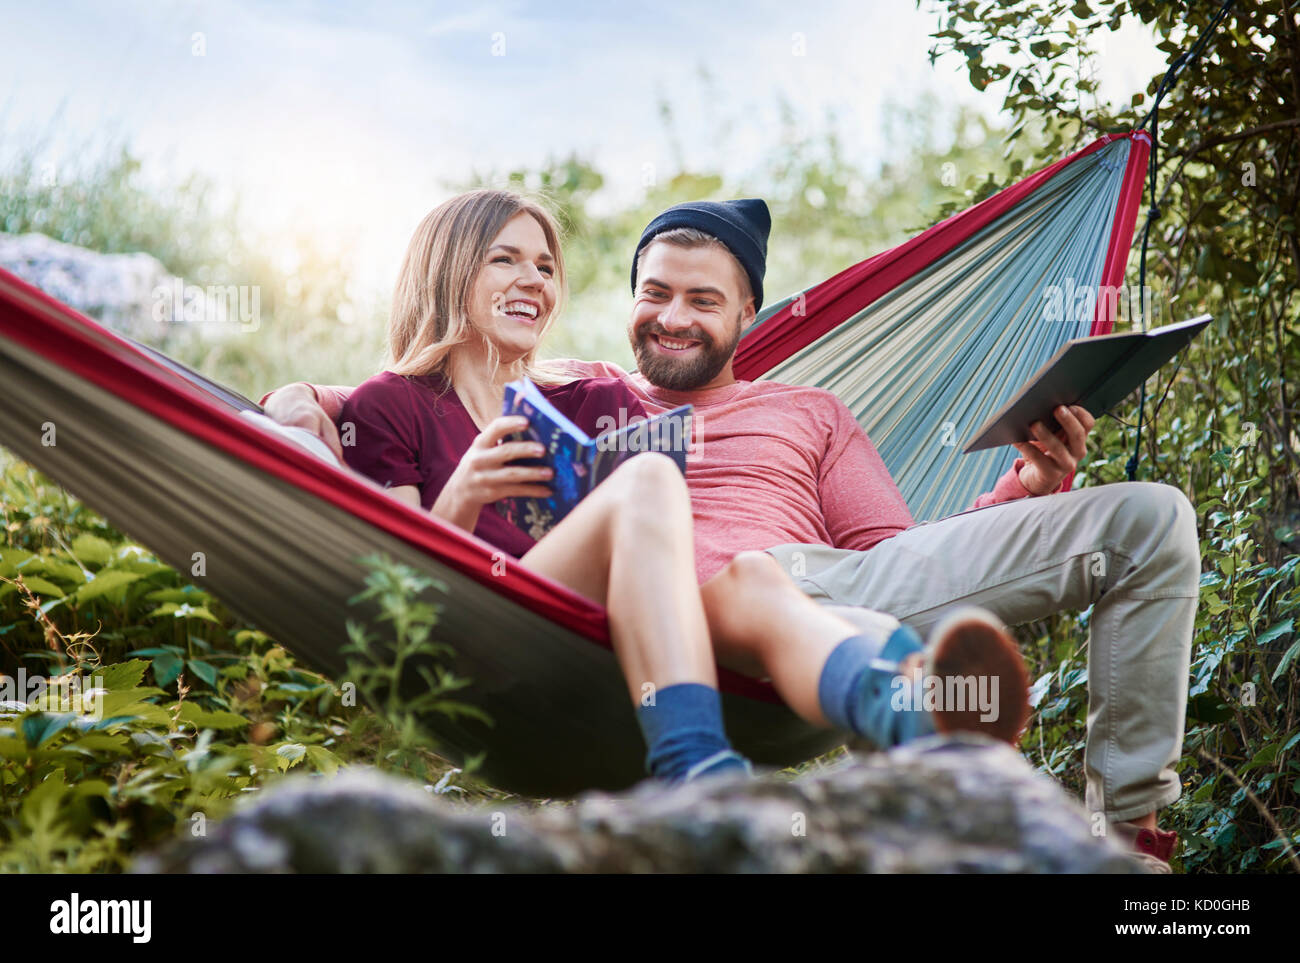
(160, 708)
(1219, 425)
(385, 672)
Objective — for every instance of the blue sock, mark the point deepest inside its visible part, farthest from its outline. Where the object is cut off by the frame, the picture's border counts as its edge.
(684, 728)
(845, 694)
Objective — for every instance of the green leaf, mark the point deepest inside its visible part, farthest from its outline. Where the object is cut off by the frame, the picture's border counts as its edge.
(41, 807)
(123, 675)
(97, 741)
(92, 787)
(324, 760)
(289, 754)
(183, 611)
(112, 721)
(40, 727)
(1286, 661)
(166, 668)
(1262, 758)
(204, 670)
(40, 586)
(186, 593)
(1275, 631)
(200, 718)
(11, 559)
(92, 550)
(103, 583)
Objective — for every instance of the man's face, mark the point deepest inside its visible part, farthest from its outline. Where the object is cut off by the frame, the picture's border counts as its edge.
(688, 316)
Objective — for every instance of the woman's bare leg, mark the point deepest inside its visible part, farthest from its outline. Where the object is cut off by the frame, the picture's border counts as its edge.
(630, 546)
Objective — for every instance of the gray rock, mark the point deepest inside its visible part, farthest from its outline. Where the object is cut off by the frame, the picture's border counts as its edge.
(114, 289)
(944, 805)
(133, 294)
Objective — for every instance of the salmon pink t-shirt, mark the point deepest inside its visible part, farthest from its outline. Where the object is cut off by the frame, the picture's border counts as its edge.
(774, 464)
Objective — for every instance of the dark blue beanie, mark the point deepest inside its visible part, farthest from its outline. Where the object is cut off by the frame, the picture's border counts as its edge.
(741, 225)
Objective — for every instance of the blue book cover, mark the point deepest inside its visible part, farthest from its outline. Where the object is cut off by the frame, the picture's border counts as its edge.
(580, 462)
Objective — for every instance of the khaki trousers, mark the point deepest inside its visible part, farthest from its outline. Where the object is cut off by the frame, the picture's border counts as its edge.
(1128, 549)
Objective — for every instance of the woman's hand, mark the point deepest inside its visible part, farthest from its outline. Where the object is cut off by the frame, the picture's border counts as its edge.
(1050, 457)
(483, 477)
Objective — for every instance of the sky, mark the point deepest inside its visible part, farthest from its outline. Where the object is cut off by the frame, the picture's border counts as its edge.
(348, 121)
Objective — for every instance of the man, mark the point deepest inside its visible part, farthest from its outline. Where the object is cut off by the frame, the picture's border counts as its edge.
(787, 469)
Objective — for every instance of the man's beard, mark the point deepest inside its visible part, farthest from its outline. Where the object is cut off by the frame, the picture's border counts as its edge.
(687, 374)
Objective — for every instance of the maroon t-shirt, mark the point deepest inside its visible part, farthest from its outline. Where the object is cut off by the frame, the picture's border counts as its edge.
(413, 430)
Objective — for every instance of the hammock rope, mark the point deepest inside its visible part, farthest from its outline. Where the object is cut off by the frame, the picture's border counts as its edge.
(1151, 124)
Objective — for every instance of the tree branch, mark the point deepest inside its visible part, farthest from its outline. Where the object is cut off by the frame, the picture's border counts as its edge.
(1240, 135)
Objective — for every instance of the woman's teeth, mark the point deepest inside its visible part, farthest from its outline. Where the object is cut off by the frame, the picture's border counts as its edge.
(522, 309)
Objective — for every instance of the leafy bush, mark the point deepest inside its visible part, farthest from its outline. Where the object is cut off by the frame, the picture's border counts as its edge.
(181, 710)
(1219, 426)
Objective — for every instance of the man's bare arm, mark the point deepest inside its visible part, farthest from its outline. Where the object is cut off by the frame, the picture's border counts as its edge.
(297, 405)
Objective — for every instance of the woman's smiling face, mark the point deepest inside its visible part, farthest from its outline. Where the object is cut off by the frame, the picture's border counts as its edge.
(514, 293)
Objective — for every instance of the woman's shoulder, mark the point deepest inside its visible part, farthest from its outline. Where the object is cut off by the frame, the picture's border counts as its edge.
(383, 386)
(582, 390)
(379, 383)
(590, 403)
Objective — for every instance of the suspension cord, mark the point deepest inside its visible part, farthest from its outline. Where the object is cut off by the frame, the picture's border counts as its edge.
(1151, 123)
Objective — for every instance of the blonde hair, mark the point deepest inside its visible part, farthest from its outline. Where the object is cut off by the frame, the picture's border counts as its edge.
(430, 314)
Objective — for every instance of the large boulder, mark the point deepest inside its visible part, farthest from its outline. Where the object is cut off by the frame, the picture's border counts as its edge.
(942, 805)
(118, 290)
(133, 294)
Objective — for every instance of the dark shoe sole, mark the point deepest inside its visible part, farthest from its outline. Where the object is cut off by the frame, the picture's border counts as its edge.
(973, 643)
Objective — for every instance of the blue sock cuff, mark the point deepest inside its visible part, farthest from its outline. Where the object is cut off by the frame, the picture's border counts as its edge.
(688, 705)
(683, 727)
(842, 667)
(840, 680)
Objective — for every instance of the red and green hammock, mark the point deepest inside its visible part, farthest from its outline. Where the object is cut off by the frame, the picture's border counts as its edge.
(921, 341)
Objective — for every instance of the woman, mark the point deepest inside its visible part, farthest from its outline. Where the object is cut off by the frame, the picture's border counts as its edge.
(480, 285)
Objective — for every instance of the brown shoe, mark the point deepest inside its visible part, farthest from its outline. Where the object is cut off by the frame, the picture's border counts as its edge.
(1152, 848)
(972, 643)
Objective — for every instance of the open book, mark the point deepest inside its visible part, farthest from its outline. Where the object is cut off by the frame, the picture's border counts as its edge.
(580, 462)
(1096, 373)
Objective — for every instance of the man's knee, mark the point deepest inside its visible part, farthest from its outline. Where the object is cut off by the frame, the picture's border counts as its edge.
(1160, 519)
(1152, 505)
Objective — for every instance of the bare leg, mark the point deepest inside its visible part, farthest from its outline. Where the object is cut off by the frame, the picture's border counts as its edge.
(761, 622)
(630, 547)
